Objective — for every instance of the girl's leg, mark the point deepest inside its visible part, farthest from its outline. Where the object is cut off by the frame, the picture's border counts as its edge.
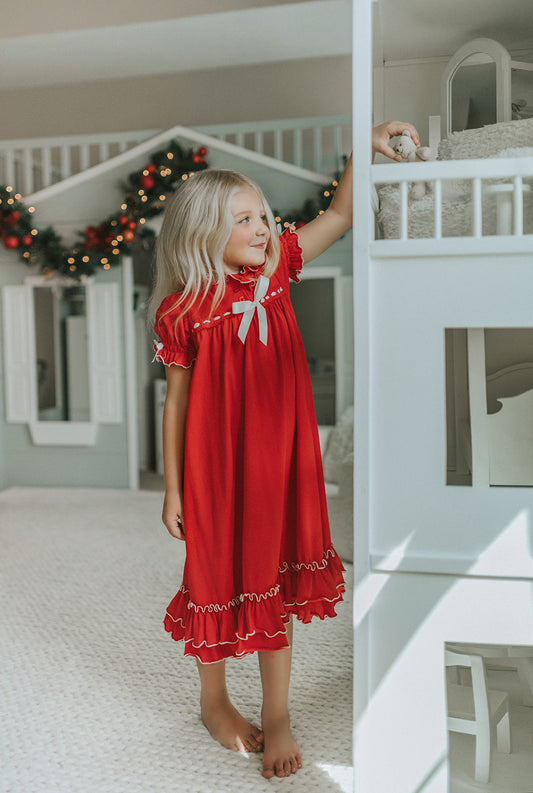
(223, 721)
(282, 755)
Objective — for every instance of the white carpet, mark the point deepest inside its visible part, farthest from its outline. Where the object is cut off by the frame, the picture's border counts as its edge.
(96, 696)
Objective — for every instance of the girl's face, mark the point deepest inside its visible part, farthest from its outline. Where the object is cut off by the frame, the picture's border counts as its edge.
(249, 234)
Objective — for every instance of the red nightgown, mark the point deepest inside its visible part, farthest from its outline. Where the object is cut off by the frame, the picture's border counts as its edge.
(258, 545)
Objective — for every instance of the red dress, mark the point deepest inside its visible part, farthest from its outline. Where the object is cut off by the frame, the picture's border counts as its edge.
(258, 545)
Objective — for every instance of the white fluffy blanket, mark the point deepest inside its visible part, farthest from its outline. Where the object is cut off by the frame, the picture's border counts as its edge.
(508, 139)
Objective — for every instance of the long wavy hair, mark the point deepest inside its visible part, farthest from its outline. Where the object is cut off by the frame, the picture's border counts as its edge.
(194, 234)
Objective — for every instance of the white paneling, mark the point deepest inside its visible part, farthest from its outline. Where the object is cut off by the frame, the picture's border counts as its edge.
(104, 353)
(19, 358)
(475, 531)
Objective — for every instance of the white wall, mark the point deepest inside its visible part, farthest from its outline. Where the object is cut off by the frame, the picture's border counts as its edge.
(409, 91)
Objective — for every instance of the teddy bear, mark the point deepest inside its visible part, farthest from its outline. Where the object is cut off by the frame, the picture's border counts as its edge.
(410, 152)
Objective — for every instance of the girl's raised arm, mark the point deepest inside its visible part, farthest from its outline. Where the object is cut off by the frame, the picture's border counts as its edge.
(174, 418)
(319, 234)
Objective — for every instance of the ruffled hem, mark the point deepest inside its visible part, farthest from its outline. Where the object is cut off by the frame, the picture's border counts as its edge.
(294, 253)
(252, 622)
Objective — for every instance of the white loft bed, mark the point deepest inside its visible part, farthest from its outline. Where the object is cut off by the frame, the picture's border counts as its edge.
(481, 186)
(503, 139)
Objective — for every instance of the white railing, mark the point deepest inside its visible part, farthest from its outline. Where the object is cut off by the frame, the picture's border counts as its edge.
(32, 164)
(506, 181)
(316, 144)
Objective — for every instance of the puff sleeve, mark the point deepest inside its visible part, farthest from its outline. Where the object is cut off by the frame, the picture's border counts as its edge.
(291, 254)
(176, 345)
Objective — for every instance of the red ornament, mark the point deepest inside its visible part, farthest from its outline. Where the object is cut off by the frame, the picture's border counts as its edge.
(128, 235)
(132, 225)
(12, 218)
(197, 158)
(202, 151)
(147, 182)
(11, 242)
(123, 220)
(151, 168)
(27, 240)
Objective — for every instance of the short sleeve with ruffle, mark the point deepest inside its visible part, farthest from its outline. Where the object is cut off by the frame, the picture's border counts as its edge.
(176, 343)
(292, 254)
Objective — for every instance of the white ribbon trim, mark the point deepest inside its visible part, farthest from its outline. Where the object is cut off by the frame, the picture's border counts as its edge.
(248, 308)
(158, 346)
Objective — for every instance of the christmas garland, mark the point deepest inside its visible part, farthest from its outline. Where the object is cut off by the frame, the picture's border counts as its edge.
(101, 247)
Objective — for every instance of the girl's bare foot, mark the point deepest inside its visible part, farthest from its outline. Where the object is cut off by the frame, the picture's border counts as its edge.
(282, 756)
(228, 727)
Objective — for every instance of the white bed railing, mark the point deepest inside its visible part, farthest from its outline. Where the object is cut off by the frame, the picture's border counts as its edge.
(31, 164)
(508, 179)
(316, 144)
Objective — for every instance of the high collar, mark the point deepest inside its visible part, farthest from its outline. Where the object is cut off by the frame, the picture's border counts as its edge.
(246, 275)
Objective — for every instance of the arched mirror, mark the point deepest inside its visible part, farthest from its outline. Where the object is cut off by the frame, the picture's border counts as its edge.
(476, 87)
(62, 364)
(473, 93)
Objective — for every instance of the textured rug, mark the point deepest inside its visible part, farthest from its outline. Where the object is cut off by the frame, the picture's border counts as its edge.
(96, 697)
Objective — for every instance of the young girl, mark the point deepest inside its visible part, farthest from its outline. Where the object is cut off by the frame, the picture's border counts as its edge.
(243, 476)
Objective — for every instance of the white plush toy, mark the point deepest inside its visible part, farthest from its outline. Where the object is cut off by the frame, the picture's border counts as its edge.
(410, 152)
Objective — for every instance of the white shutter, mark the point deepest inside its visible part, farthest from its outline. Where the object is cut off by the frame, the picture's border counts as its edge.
(104, 353)
(19, 354)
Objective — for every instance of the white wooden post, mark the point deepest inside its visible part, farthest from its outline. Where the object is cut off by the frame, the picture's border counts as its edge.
(477, 391)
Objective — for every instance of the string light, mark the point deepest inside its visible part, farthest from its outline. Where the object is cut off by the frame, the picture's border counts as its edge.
(31, 209)
(104, 260)
(144, 198)
(85, 259)
(9, 189)
(18, 196)
(142, 220)
(123, 207)
(162, 197)
(170, 155)
(34, 232)
(70, 260)
(184, 176)
(72, 268)
(107, 266)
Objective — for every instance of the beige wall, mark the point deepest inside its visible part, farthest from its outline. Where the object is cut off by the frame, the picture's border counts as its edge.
(315, 87)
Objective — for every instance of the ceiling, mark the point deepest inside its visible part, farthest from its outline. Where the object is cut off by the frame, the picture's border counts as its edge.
(428, 28)
(271, 30)
(58, 41)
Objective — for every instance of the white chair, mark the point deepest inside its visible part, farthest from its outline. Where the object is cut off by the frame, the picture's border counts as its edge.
(475, 710)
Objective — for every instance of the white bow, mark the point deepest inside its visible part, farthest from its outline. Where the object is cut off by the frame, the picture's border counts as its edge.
(247, 308)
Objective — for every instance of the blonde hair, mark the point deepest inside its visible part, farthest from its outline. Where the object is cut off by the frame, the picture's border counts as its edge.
(195, 230)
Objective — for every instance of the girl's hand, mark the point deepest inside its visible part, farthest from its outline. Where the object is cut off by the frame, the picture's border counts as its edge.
(390, 129)
(173, 515)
